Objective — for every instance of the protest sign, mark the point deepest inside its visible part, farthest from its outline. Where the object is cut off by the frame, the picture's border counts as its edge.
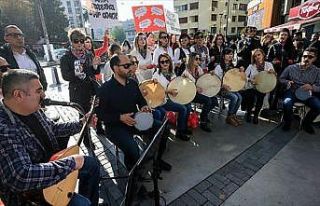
(149, 18)
(172, 22)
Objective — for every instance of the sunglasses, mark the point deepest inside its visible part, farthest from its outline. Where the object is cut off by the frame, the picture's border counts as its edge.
(308, 56)
(76, 41)
(16, 35)
(4, 68)
(165, 62)
(142, 38)
(197, 58)
(135, 62)
(126, 66)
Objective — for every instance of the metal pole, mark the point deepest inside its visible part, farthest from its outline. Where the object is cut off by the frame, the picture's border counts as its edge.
(44, 27)
(227, 19)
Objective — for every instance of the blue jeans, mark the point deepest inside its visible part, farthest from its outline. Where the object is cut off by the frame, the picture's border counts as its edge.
(79, 200)
(183, 113)
(208, 104)
(289, 99)
(235, 101)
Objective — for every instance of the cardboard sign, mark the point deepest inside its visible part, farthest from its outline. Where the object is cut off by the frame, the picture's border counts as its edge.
(172, 22)
(103, 14)
(149, 18)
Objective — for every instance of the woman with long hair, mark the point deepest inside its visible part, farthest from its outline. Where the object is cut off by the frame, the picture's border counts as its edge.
(252, 97)
(140, 50)
(164, 74)
(126, 47)
(163, 47)
(193, 72)
(234, 97)
(181, 53)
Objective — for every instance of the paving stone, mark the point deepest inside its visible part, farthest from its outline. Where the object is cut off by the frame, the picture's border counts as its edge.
(215, 182)
(230, 188)
(235, 179)
(212, 198)
(202, 186)
(188, 200)
(217, 192)
(200, 199)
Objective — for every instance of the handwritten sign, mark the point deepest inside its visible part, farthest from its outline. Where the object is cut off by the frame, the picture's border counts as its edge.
(172, 22)
(103, 14)
(149, 18)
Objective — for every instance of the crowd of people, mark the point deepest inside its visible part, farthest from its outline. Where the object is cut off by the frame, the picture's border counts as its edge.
(28, 138)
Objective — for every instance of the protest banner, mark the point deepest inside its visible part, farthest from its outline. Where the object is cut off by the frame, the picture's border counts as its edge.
(103, 14)
(172, 22)
(149, 18)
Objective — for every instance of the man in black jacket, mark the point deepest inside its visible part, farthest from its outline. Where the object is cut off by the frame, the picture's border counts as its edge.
(17, 55)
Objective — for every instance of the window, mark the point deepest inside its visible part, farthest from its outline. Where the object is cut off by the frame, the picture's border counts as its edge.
(214, 4)
(194, 6)
(182, 7)
(233, 29)
(242, 18)
(226, 4)
(183, 20)
(213, 30)
(235, 6)
(243, 7)
(194, 18)
(234, 18)
(213, 17)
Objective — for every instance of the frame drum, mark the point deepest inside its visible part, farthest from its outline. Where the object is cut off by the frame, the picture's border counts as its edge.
(235, 79)
(156, 95)
(186, 90)
(210, 84)
(302, 94)
(144, 121)
(265, 81)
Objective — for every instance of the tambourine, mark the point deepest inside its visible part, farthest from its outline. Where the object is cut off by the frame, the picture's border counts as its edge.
(265, 81)
(144, 121)
(156, 95)
(210, 84)
(185, 88)
(302, 94)
(235, 79)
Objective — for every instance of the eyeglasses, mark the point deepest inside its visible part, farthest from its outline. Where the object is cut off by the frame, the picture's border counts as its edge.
(16, 35)
(76, 41)
(4, 68)
(197, 58)
(165, 62)
(135, 62)
(164, 37)
(126, 66)
(308, 56)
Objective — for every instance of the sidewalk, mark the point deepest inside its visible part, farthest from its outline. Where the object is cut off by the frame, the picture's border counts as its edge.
(248, 165)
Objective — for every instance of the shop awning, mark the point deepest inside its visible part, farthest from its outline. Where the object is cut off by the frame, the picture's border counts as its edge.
(292, 25)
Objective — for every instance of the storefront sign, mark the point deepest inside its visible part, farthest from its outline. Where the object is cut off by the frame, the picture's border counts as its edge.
(307, 10)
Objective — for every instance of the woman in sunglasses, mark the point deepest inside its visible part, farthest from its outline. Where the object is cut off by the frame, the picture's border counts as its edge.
(141, 52)
(193, 72)
(201, 48)
(164, 74)
(163, 47)
(234, 97)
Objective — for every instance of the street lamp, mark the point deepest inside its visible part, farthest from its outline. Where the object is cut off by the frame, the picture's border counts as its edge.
(44, 27)
(220, 23)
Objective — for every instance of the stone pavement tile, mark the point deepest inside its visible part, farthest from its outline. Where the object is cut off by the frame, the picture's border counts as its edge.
(215, 182)
(200, 199)
(217, 192)
(211, 197)
(235, 179)
(230, 188)
(188, 200)
(202, 186)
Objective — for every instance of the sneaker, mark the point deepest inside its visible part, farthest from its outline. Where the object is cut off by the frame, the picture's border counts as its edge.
(230, 120)
(308, 128)
(205, 127)
(164, 165)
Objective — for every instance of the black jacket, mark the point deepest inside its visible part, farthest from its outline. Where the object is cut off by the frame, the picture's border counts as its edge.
(6, 52)
(244, 49)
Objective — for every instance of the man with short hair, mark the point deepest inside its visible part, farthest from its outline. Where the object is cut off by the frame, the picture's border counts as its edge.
(27, 141)
(306, 76)
(120, 98)
(18, 55)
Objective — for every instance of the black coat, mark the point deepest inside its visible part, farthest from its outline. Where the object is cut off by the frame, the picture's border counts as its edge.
(244, 49)
(6, 52)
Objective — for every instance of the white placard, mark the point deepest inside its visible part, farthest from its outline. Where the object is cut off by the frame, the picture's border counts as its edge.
(172, 22)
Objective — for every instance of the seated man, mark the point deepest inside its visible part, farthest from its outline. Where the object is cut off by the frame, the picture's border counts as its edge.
(307, 76)
(27, 141)
(119, 98)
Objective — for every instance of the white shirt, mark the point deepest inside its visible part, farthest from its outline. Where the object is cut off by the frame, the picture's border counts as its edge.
(218, 71)
(25, 62)
(143, 74)
(160, 50)
(162, 79)
(252, 71)
(176, 57)
(204, 55)
(187, 74)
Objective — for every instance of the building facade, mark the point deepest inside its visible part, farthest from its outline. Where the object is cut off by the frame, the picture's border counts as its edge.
(212, 16)
(73, 11)
(129, 29)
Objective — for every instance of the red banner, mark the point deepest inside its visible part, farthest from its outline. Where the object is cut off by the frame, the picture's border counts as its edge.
(306, 10)
(149, 18)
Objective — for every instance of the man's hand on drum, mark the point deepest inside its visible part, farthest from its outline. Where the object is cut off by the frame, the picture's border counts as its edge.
(173, 92)
(307, 87)
(290, 83)
(127, 119)
(145, 109)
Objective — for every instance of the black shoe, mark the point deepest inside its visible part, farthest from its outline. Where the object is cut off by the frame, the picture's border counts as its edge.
(286, 126)
(308, 128)
(255, 120)
(182, 136)
(248, 117)
(205, 127)
(164, 165)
